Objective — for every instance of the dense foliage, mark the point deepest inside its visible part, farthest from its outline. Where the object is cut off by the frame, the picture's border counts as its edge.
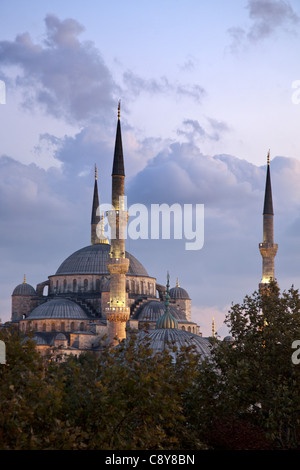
(247, 396)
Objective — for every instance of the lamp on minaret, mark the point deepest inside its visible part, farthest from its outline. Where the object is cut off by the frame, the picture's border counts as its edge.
(268, 248)
(117, 313)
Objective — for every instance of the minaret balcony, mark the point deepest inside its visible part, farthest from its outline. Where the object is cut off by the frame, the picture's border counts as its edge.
(114, 216)
(268, 249)
(118, 265)
(118, 314)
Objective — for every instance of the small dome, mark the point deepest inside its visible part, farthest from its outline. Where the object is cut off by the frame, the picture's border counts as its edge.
(228, 339)
(58, 308)
(167, 321)
(24, 289)
(153, 310)
(178, 293)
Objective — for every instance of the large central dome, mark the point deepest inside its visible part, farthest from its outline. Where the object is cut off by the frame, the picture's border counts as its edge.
(92, 259)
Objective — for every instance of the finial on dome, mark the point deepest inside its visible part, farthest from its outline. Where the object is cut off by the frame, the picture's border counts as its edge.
(177, 283)
(268, 157)
(119, 109)
(167, 320)
(24, 281)
(95, 172)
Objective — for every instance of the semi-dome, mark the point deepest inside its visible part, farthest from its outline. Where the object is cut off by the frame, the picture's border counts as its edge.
(154, 309)
(58, 308)
(164, 338)
(24, 289)
(92, 259)
(178, 293)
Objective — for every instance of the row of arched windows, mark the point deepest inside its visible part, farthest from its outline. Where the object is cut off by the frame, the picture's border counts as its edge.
(53, 326)
(135, 286)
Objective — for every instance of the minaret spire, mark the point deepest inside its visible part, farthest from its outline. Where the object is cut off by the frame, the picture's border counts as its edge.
(268, 248)
(118, 312)
(268, 204)
(95, 219)
(118, 164)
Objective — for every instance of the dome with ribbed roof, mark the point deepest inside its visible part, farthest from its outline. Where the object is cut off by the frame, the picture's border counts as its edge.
(167, 320)
(92, 259)
(154, 309)
(178, 293)
(58, 308)
(170, 338)
(24, 289)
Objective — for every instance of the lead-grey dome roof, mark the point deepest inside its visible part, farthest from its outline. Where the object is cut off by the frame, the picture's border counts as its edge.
(58, 308)
(92, 259)
(154, 309)
(178, 293)
(162, 338)
(24, 289)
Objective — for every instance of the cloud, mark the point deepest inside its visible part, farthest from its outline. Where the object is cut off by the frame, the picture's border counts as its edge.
(137, 85)
(64, 75)
(267, 17)
(193, 131)
(46, 216)
(182, 173)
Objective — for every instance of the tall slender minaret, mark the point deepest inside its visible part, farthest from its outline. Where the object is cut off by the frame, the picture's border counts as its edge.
(117, 313)
(95, 219)
(268, 248)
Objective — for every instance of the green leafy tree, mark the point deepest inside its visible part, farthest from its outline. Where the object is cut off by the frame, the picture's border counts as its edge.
(124, 398)
(252, 387)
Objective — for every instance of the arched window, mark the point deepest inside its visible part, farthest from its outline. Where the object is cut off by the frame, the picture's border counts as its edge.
(81, 326)
(85, 285)
(65, 285)
(72, 326)
(44, 327)
(74, 285)
(98, 285)
(62, 326)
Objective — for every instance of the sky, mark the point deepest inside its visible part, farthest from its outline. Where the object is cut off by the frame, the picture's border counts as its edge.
(206, 90)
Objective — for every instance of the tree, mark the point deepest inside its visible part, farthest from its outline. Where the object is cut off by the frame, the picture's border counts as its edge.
(125, 398)
(252, 381)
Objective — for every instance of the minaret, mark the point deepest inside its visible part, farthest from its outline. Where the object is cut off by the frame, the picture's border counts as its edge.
(268, 248)
(95, 219)
(117, 313)
(97, 224)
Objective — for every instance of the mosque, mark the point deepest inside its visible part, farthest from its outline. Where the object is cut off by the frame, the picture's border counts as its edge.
(102, 292)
